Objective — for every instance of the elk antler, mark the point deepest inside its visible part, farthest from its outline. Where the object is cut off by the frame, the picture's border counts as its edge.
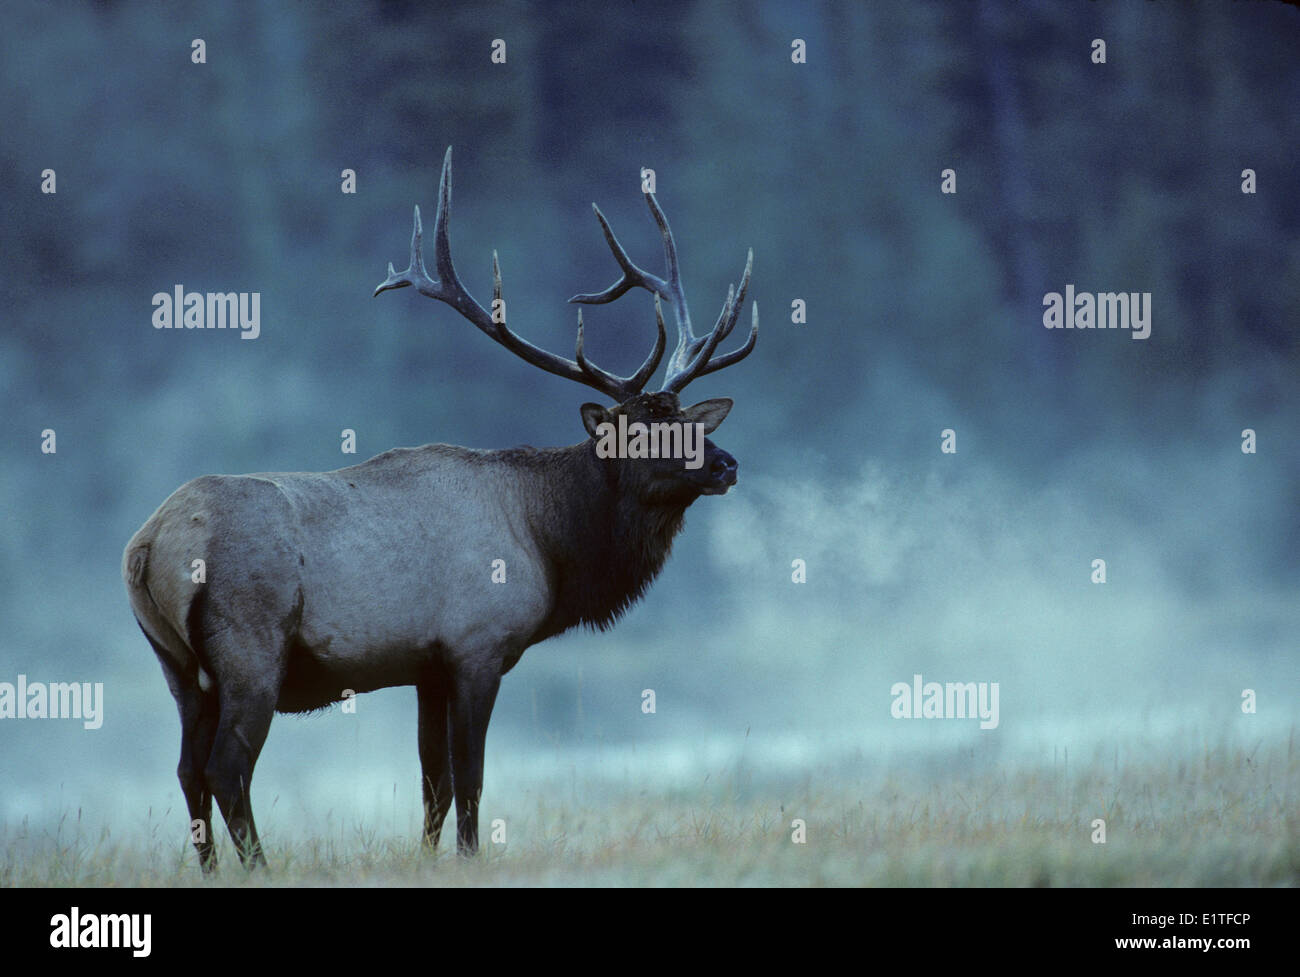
(693, 355)
(449, 289)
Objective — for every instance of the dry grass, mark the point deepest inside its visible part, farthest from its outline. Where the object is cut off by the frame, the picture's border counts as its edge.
(1226, 817)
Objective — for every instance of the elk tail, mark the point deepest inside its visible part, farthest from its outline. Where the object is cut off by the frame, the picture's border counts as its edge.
(137, 561)
(177, 655)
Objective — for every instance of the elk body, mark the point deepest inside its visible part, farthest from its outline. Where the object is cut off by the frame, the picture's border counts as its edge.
(379, 575)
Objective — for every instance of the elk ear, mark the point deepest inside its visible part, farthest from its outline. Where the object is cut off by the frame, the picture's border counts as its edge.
(710, 413)
(593, 415)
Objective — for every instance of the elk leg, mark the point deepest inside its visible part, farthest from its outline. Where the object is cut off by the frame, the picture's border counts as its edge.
(472, 697)
(435, 759)
(199, 715)
(241, 731)
(198, 711)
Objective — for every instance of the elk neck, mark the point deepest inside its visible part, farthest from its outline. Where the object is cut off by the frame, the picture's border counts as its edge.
(602, 544)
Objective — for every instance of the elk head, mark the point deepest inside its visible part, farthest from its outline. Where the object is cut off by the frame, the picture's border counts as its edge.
(670, 478)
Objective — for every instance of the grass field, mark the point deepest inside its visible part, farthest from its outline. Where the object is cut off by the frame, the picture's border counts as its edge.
(1222, 816)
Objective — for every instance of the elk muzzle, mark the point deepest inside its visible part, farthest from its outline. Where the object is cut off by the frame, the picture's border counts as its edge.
(718, 473)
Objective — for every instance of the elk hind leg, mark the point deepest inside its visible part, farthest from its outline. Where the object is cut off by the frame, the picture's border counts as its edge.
(199, 718)
(198, 711)
(247, 707)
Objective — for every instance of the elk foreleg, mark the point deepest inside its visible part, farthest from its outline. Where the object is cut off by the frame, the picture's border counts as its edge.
(473, 693)
(435, 754)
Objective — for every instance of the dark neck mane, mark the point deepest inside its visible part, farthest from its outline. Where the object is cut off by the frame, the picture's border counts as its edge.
(602, 546)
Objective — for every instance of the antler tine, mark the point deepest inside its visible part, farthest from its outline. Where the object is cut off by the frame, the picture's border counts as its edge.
(693, 355)
(730, 313)
(593, 371)
(414, 273)
(637, 380)
(633, 277)
(651, 363)
(695, 359)
(736, 355)
(449, 289)
(686, 338)
(442, 239)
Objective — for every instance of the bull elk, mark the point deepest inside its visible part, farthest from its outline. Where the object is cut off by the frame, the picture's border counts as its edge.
(377, 575)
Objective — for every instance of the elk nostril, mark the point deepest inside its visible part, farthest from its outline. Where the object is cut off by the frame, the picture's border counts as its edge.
(723, 468)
